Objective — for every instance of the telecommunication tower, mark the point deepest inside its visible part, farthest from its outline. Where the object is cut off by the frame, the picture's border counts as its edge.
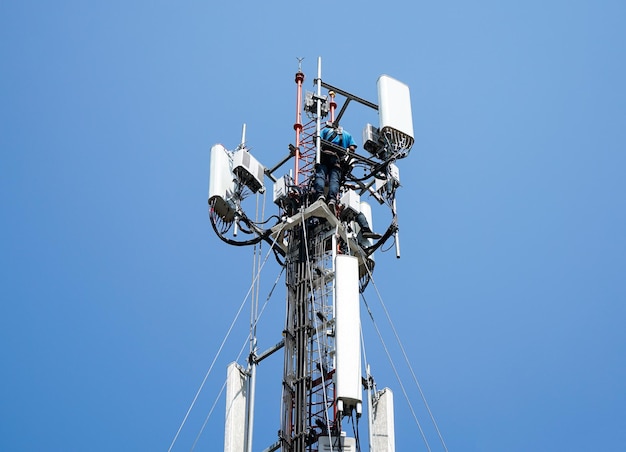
(328, 262)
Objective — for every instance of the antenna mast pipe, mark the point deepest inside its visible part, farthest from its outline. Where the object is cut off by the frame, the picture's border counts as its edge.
(318, 124)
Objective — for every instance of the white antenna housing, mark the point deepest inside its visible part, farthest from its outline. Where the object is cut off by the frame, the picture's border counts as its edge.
(371, 140)
(221, 184)
(351, 202)
(348, 324)
(394, 113)
(248, 170)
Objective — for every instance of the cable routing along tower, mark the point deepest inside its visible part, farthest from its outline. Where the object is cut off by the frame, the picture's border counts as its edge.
(327, 249)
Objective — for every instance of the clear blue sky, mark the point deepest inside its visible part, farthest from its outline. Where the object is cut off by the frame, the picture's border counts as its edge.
(510, 296)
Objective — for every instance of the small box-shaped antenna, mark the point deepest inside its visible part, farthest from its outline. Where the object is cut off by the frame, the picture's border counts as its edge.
(351, 205)
(371, 140)
(394, 112)
(282, 189)
(249, 171)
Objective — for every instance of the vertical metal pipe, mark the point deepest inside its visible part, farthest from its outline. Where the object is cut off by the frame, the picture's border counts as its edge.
(250, 408)
(318, 125)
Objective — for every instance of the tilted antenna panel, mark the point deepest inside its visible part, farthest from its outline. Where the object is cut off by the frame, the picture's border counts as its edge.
(221, 182)
(249, 171)
(394, 109)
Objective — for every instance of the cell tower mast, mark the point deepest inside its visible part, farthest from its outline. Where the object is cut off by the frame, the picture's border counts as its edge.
(328, 256)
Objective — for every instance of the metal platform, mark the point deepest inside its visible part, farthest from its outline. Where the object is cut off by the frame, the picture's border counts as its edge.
(319, 209)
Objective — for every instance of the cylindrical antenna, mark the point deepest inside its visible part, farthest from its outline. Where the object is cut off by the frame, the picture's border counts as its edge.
(298, 125)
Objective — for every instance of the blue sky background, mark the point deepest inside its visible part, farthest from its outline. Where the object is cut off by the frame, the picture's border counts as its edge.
(509, 298)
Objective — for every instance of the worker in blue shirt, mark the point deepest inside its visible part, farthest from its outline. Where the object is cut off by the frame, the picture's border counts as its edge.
(330, 163)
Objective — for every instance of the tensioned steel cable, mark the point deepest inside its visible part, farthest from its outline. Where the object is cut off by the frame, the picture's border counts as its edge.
(407, 361)
(395, 371)
(406, 358)
(193, 402)
(193, 446)
(206, 420)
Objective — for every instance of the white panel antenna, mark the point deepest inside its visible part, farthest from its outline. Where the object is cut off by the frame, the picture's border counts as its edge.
(221, 183)
(394, 112)
(348, 324)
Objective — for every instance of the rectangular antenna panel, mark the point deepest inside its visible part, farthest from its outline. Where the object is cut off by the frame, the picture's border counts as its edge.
(351, 202)
(394, 111)
(249, 171)
(371, 140)
(281, 189)
(348, 331)
(335, 444)
(383, 435)
(234, 427)
(221, 182)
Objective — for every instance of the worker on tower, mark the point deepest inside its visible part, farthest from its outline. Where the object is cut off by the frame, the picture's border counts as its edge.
(365, 231)
(329, 166)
